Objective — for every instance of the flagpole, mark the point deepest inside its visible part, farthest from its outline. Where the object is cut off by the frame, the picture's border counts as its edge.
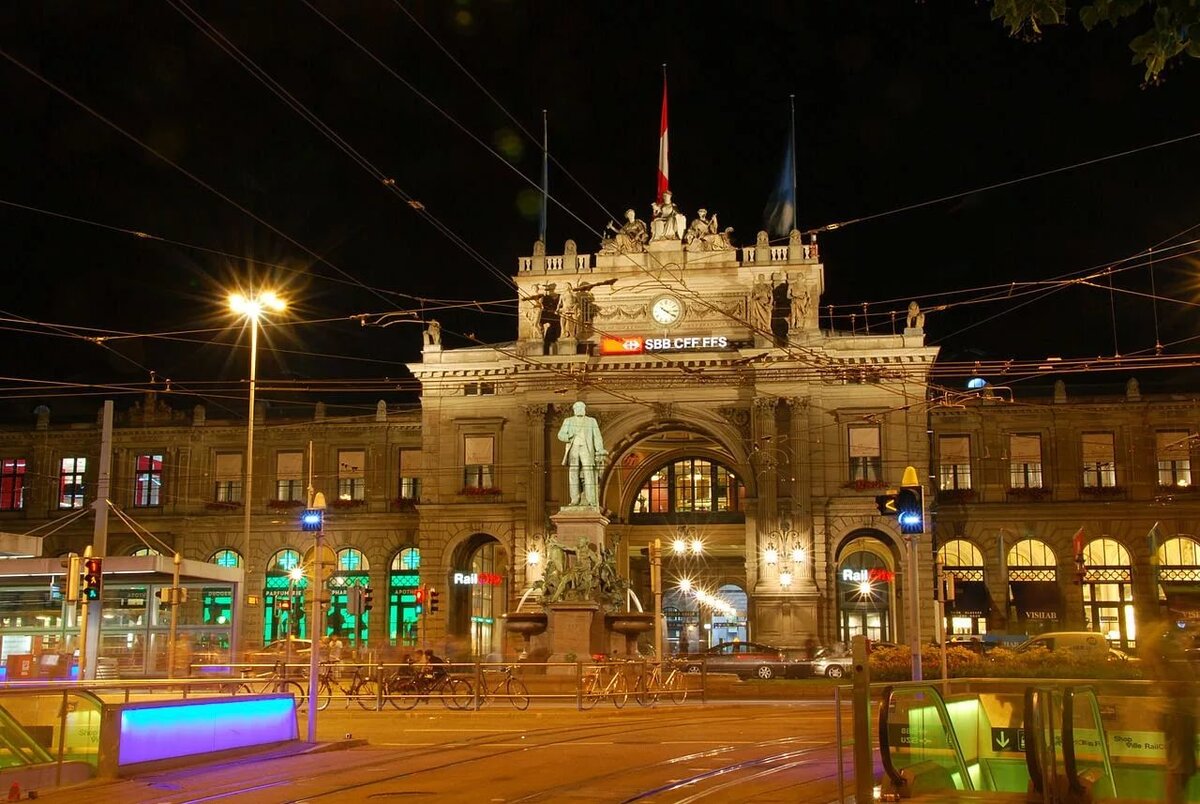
(663, 182)
(545, 178)
(792, 144)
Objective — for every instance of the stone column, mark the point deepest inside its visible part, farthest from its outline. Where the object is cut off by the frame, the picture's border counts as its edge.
(802, 515)
(764, 456)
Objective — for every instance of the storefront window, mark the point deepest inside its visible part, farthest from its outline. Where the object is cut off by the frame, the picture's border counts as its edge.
(284, 609)
(864, 592)
(487, 600)
(1035, 601)
(1179, 579)
(341, 619)
(967, 612)
(404, 576)
(1108, 592)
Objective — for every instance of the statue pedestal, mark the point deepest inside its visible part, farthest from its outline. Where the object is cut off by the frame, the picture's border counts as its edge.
(577, 522)
(575, 631)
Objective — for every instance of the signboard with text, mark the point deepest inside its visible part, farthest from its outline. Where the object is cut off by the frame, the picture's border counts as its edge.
(637, 345)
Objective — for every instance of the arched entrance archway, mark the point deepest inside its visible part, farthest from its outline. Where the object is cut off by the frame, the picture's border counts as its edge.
(866, 588)
(478, 595)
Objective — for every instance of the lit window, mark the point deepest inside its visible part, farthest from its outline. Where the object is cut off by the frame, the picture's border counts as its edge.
(412, 466)
(690, 486)
(1174, 458)
(12, 484)
(228, 474)
(866, 458)
(289, 477)
(954, 462)
(147, 481)
(479, 458)
(226, 558)
(352, 474)
(1024, 461)
(1099, 460)
(70, 482)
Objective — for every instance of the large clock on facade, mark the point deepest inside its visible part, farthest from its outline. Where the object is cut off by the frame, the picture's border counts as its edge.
(666, 310)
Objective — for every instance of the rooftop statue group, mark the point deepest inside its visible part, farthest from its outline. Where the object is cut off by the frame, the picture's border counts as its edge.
(667, 222)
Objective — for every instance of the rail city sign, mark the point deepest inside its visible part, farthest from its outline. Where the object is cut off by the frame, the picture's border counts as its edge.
(477, 579)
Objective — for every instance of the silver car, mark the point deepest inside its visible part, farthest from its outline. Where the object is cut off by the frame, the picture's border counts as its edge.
(825, 664)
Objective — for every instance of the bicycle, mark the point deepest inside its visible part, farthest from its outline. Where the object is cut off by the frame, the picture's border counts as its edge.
(362, 687)
(651, 685)
(273, 682)
(595, 686)
(507, 686)
(406, 691)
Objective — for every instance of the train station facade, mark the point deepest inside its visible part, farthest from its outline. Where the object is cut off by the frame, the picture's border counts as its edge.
(746, 438)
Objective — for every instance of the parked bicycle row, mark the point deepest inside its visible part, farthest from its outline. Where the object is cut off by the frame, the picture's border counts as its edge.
(463, 687)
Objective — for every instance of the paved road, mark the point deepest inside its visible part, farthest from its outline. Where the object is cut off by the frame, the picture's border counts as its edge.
(765, 752)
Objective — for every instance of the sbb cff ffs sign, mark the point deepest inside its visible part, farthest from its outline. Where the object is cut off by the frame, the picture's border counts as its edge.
(636, 345)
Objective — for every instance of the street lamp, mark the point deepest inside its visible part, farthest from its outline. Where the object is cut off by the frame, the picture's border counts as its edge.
(252, 308)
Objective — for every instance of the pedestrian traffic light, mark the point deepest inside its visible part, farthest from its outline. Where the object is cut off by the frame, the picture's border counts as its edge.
(886, 503)
(312, 519)
(368, 599)
(93, 575)
(433, 601)
(419, 595)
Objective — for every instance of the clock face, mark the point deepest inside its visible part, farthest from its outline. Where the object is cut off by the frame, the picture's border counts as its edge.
(666, 310)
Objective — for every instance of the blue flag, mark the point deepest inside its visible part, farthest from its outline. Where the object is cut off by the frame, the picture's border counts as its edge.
(780, 213)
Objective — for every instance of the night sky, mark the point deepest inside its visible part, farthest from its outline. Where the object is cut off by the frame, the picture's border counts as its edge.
(897, 103)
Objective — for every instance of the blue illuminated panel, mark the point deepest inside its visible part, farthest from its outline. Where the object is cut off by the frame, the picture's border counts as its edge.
(185, 728)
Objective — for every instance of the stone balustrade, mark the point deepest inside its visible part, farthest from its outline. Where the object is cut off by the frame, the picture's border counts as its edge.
(585, 263)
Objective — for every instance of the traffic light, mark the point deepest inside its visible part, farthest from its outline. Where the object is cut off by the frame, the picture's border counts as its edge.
(886, 503)
(419, 594)
(73, 566)
(312, 519)
(368, 599)
(354, 600)
(910, 510)
(433, 601)
(93, 575)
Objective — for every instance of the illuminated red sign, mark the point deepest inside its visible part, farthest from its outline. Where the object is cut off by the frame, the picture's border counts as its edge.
(872, 575)
(610, 345)
(478, 579)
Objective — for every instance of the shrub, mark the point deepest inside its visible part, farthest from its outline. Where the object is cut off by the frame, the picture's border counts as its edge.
(894, 664)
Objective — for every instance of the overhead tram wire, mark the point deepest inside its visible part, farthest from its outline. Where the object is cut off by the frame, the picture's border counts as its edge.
(829, 227)
(450, 118)
(184, 171)
(310, 117)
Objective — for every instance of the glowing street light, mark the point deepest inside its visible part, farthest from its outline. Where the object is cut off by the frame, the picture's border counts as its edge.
(798, 554)
(533, 558)
(679, 546)
(252, 308)
(697, 547)
(785, 578)
(771, 556)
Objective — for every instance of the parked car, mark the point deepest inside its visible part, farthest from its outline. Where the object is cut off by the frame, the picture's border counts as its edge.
(278, 651)
(1080, 643)
(747, 659)
(832, 665)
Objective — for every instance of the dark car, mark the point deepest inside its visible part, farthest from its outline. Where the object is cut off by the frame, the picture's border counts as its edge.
(747, 659)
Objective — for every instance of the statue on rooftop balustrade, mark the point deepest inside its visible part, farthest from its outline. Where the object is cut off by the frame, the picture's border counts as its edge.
(669, 222)
(630, 238)
(705, 234)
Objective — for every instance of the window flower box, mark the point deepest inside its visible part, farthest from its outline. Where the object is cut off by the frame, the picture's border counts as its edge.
(284, 505)
(1164, 490)
(476, 491)
(1031, 493)
(222, 505)
(1102, 491)
(406, 504)
(956, 495)
(865, 485)
(344, 504)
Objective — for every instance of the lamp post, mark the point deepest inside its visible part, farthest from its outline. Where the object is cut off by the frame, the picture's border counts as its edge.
(252, 308)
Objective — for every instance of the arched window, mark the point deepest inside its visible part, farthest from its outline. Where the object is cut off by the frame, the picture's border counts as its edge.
(1108, 592)
(352, 560)
(284, 561)
(1031, 553)
(967, 612)
(145, 551)
(226, 558)
(1178, 576)
(284, 585)
(960, 553)
(403, 579)
(864, 586)
(1181, 551)
(343, 619)
(1036, 601)
(690, 488)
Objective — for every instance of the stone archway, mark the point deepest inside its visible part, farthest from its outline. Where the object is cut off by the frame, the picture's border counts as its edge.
(865, 576)
(477, 595)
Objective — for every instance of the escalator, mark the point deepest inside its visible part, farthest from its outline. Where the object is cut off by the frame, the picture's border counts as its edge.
(1047, 742)
(19, 748)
